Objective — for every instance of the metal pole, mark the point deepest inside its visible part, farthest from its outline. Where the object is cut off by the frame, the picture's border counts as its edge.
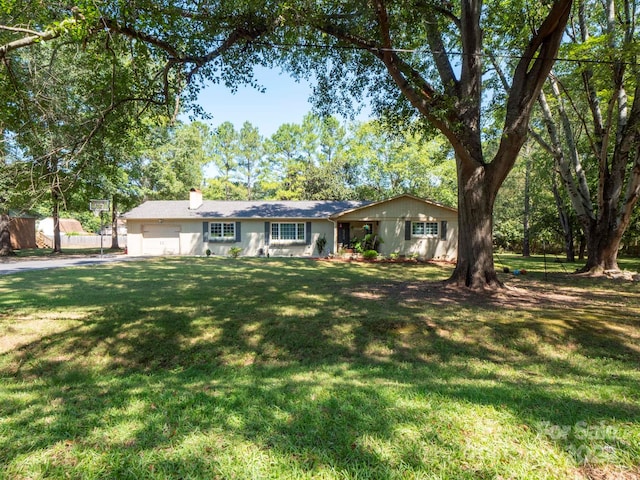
(544, 253)
(101, 233)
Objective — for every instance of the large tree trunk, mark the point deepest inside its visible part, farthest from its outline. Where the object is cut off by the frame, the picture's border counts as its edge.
(57, 243)
(567, 230)
(603, 243)
(5, 236)
(602, 250)
(475, 267)
(114, 224)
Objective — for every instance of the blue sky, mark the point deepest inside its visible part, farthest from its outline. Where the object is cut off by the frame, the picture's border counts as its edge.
(284, 101)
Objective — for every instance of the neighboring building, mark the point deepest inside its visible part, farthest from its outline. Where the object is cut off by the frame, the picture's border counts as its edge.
(23, 232)
(406, 224)
(67, 226)
(121, 227)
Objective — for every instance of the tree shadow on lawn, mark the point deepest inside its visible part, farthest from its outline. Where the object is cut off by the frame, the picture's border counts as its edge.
(316, 375)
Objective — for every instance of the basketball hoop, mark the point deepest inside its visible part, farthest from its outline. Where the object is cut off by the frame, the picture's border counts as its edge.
(98, 206)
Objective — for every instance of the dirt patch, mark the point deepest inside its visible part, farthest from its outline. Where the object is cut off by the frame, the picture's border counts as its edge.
(608, 472)
(536, 295)
(400, 260)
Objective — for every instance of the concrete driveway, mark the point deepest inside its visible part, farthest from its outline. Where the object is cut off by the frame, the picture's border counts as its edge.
(16, 265)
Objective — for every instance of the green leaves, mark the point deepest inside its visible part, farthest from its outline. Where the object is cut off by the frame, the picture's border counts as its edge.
(174, 162)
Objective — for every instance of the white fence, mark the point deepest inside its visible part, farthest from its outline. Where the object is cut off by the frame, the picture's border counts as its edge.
(87, 241)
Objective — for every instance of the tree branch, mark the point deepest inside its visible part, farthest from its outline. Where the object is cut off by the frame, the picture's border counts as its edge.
(33, 38)
(443, 63)
(130, 32)
(529, 76)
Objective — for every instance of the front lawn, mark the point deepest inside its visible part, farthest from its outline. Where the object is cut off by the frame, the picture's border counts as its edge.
(205, 368)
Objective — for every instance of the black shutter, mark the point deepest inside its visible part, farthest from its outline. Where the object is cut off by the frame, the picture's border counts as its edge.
(267, 232)
(407, 230)
(307, 236)
(205, 232)
(238, 233)
(443, 230)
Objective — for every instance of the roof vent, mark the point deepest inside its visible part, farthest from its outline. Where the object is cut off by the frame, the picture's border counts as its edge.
(195, 199)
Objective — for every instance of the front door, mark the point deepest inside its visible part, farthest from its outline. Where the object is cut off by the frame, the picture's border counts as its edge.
(344, 235)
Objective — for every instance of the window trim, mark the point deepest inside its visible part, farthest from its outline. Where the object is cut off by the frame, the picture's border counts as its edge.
(300, 228)
(231, 238)
(431, 233)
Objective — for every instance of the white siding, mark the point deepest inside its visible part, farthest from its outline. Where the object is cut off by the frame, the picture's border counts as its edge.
(389, 221)
(186, 238)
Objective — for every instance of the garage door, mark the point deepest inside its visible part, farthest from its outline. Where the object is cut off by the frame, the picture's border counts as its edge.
(161, 240)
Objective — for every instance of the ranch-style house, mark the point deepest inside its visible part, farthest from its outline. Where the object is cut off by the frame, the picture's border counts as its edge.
(406, 225)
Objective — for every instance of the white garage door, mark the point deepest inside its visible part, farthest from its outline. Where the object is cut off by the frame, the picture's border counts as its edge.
(161, 240)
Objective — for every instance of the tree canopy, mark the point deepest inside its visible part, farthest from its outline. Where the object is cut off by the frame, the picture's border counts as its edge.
(414, 60)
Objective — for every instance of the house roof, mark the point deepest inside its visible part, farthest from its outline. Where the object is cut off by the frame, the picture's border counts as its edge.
(179, 209)
(404, 195)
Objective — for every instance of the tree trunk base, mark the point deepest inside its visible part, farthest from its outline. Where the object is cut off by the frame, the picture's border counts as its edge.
(598, 271)
(485, 281)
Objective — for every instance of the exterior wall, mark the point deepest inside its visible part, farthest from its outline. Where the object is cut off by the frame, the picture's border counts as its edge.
(191, 238)
(393, 234)
(318, 229)
(67, 225)
(134, 237)
(389, 223)
(22, 232)
(188, 236)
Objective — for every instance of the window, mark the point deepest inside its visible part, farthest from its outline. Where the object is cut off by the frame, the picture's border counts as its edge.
(222, 231)
(424, 229)
(288, 231)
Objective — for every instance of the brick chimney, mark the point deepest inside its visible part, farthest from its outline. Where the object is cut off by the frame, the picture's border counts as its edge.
(195, 199)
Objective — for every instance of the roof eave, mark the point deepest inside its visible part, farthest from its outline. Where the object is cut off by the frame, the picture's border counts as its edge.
(380, 202)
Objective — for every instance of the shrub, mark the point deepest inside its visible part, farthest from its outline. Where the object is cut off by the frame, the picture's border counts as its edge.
(368, 242)
(321, 243)
(369, 254)
(234, 252)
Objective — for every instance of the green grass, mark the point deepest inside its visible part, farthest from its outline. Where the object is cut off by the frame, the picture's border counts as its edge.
(204, 368)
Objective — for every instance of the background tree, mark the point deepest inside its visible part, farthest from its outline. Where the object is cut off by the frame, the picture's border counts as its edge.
(224, 152)
(329, 173)
(53, 124)
(250, 154)
(175, 160)
(68, 114)
(311, 161)
(287, 161)
(597, 154)
(5, 180)
(392, 163)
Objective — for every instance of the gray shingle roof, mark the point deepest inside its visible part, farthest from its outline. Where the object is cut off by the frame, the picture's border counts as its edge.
(179, 209)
